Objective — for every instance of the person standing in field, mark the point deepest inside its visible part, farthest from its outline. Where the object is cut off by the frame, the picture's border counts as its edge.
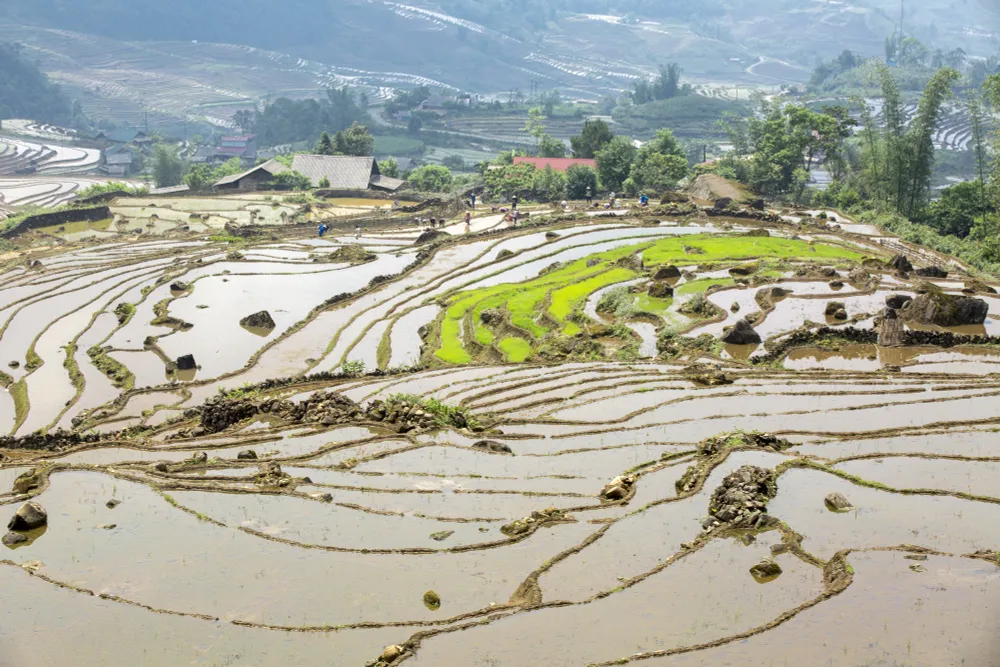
(513, 203)
(590, 196)
(357, 232)
(473, 200)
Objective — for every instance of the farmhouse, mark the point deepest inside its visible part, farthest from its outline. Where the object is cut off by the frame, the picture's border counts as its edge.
(345, 173)
(557, 163)
(252, 178)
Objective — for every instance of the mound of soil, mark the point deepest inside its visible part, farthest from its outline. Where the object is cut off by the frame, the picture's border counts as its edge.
(351, 254)
(430, 236)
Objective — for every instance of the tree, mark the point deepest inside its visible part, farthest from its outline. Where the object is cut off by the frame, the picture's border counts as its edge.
(324, 182)
(534, 125)
(230, 167)
(614, 162)
(290, 180)
(549, 146)
(168, 169)
(355, 140)
(389, 167)
(920, 139)
(579, 177)
(245, 120)
(415, 125)
(596, 134)
(199, 178)
(325, 145)
(431, 178)
(957, 210)
(510, 180)
(659, 165)
(549, 184)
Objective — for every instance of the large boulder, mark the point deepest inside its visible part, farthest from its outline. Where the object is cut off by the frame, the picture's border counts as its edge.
(978, 286)
(833, 307)
(741, 500)
(491, 316)
(897, 301)
(186, 363)
(836, 502)
(946, 310)
(28, 517)
(261, 320)
(901, 263)
(891, 332)
(669, 272)
(741, 333)
(931, 272)
(661, 290)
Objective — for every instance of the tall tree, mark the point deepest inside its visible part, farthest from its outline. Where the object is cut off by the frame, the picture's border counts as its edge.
(977, 120)
(614, 162)
(168, 169)
(921, 139)
(596, 135)
(355, 140)
(549, 146)
(325, 145)
(659, 165)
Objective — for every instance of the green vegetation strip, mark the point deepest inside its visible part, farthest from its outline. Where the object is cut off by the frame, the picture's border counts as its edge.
(553, 297)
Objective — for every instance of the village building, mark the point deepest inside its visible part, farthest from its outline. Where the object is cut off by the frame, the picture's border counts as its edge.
(251, 179)
(345, 172)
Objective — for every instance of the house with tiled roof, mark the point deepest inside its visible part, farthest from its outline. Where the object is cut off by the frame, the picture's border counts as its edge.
(345, 172)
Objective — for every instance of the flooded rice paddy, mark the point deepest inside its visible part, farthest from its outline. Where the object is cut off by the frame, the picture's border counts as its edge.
(277, 538)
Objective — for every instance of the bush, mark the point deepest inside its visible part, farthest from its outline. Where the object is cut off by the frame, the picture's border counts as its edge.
(578, 178)
(431, 178)
(110, 186)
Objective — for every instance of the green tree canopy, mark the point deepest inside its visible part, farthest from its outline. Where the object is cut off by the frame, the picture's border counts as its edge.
(431, 178)
(596, 134)
(614, 162)
(389, 167)
(355, 140)
(168, 169)
(549, 146)
(579, 177)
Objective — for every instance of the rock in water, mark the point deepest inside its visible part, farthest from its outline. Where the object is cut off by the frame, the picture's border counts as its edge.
(932, 272)
(891, 333)
(113, 503)
(390, 653)
(261, 320)
(946, 310)
(186, 363)
(832, 307)
(661, 290)
(432, 600)
(441, 536)
(618, 488)
(901, 263)
(493, 446)
(247, 455)
(179, 286)
(551, 236)
(836, 502)
(741, 334)
(28, 517)
(669, 272)
(491, 316)
(13, 539)
(897, 301)
(765, 571)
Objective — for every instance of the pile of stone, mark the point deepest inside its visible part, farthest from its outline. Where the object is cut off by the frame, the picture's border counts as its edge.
(741, 500)
(270, 474)
(530, 523)
(742, 440)
(406, 416)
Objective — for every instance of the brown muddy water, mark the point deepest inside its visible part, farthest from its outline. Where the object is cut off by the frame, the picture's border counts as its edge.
(208, 564)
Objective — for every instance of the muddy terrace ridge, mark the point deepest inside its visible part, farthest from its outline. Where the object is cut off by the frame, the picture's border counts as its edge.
(671, 436)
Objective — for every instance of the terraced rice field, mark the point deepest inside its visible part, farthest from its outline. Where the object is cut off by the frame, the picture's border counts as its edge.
(670, 509)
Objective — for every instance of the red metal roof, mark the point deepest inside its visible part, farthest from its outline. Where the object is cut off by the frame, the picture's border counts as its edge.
(557, 163)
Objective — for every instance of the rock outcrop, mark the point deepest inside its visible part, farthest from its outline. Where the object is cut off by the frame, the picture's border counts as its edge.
(661, 290)
(741, 500)
(741, 333)
(836, 502)
(897, 301)
(261, 320)
(931, 272)
(892, 332)
(901, 263)
(669, 272)
(28, 517)
(945, 310)
(618, 488)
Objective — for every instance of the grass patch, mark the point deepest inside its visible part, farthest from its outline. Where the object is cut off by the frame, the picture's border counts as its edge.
(19, 392)
(715, 248)
(31, 359)
(115, 371)
(515, 350)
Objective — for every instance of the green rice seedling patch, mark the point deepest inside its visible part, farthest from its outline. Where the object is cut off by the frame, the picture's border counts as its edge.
(515, 350)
